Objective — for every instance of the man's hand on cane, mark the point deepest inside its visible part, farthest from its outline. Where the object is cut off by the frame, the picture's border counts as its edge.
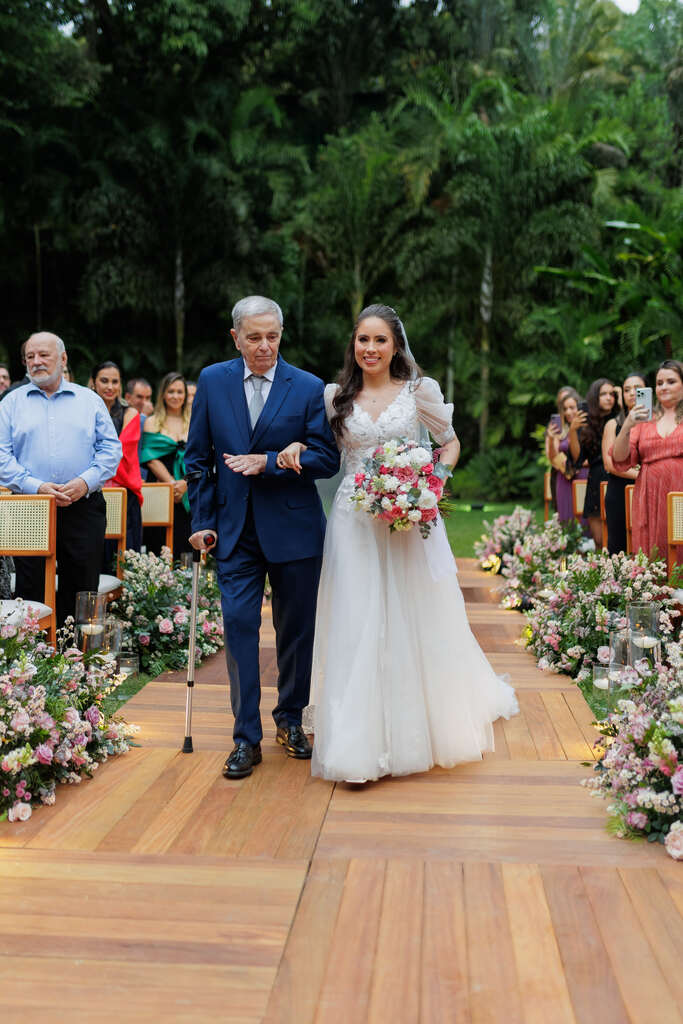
(203, 540)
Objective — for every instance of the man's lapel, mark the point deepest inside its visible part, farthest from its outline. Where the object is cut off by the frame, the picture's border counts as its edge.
(278, 392)
(238, 403)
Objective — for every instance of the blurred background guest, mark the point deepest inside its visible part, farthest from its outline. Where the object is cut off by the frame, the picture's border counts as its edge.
(585, 444)
(656, 446)
(615, 496)
(191, 392)
(163, 450)
(107, 383)
(559, 456)
(24, 380)
(5, 380)
(139, 395)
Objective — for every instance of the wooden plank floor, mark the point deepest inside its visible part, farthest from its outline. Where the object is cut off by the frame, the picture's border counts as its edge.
(487, 893)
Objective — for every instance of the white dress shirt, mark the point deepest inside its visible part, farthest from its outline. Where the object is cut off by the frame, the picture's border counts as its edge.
(249, 389)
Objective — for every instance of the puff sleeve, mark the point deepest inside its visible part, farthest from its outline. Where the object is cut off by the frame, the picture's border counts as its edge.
(433, 411)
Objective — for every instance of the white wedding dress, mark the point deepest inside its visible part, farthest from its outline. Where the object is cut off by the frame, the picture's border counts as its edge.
(399, 682)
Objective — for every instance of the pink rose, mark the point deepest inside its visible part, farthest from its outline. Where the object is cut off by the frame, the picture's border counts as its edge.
(180, 618)
(19, 812)
(166, 626)
(429, 514)
(72, 717)
(78, 759)
(674, 841)
(358, 479)
(603, 655)
(428, 468)
(677, 781)
(43, 754)
(20, 722)
(143, 639)
(93, 715)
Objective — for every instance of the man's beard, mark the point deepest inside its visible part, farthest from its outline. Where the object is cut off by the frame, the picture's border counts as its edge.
(48, 381)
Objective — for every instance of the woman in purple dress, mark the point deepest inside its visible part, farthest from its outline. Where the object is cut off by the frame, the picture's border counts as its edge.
(557, 448)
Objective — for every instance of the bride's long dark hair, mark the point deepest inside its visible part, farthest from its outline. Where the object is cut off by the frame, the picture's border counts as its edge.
(350, 379)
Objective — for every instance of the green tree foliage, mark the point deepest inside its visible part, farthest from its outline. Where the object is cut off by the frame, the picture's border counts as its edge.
(507, 173)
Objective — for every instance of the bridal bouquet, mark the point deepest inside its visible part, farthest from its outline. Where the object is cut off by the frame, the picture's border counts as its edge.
(401, 485)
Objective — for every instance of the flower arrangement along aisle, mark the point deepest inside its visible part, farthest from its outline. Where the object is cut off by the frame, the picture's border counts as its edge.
(569, 624)
(641, 770)
(535, 561)
(501, 536)
(155, 607)
(401, 485)
(53, 727)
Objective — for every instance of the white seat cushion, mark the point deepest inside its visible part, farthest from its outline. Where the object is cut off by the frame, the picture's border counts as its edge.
(107, 584)
(12, 612)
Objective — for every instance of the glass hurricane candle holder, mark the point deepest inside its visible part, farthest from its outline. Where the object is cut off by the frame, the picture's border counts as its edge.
(129, 664)
(89, 620)
(644, 618)
(111, 641)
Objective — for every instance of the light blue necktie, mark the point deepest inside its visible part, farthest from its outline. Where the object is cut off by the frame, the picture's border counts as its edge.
(257, 400)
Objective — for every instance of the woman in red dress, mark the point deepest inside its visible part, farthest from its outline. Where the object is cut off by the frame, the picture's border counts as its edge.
(106, 379)
(655, 445)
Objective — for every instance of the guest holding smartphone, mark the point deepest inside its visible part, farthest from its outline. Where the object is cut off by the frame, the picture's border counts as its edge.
(585, 443)
(559, 456)
(656, 445)
(615, 498)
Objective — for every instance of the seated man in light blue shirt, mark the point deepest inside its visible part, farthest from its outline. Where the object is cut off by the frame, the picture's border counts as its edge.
(57, 438)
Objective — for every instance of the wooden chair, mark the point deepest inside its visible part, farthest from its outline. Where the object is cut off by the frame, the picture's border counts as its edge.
(603, 514)
(157, 508)
(674, 516)
(116, 499)
(547, 494)
(628, 498)
(28, 527)
(578, 497)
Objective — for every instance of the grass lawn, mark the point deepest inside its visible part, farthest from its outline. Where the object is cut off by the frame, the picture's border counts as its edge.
(464, 525)
(128, 688)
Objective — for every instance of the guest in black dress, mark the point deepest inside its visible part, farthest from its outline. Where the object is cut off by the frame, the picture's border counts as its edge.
(585, 442)
(615, 498)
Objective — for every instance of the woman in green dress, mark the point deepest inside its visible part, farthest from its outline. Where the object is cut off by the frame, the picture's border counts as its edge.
(163, 452)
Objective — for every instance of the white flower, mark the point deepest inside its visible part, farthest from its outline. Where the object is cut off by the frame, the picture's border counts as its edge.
(419, 456)
(386, 504)
(414, 516)
(19, 812)
(674, 841)
(427, 499)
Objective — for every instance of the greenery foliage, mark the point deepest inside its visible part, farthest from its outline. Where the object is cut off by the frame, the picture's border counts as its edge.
(507, 173)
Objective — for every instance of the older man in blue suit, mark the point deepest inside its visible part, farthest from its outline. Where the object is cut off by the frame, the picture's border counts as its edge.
(263, 519)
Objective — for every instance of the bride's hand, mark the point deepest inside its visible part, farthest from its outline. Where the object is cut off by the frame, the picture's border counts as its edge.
(290, 457)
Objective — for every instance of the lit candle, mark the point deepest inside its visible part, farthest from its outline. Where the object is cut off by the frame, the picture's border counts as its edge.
(600, 683)
(91, 628)
(645, 642)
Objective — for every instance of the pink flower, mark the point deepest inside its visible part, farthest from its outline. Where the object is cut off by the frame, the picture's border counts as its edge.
(636, 819)
(603, 655)
(428, 468)
(358, 479)
(143, 639)
(180, 618)
(429, 514)
(166, 626)
(5, 791)
(19, 812)
(435, 485)
(20, 722)
(674, 841)
(677, 781)
(77, 759)
(43, 753)
(93, 715)
(72, 717)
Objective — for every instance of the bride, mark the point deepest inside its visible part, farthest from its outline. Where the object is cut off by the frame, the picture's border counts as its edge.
(399, 682)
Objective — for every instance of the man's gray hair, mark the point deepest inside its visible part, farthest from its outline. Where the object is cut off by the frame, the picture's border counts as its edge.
(254, 305)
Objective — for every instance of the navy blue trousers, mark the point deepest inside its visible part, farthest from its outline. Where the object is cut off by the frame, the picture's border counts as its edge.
(241, 579)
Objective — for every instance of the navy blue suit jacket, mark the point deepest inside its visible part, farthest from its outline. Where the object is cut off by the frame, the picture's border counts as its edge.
(287, 511)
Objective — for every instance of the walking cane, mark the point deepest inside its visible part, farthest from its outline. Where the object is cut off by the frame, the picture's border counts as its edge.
(209, 539)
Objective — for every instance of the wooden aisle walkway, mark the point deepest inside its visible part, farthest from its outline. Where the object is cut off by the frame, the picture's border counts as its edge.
(158, 891)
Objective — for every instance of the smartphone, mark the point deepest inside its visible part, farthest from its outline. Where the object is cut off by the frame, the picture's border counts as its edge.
(583, 406)
(556, 421)
(644, 398)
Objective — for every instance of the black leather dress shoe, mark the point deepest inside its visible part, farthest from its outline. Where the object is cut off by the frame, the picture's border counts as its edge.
(242, 760)
(293, 739)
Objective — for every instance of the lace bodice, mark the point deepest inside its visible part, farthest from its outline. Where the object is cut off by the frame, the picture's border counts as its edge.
(415, 403)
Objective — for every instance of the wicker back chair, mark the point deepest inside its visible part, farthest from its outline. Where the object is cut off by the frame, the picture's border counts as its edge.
(674, 516)
(547, 494)
(28, 527)
(578, 496)
(157, 508)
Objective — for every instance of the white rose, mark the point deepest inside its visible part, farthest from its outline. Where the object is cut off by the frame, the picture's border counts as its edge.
(674, 841)
(19, 812)
(402, 500)
(414, 516)
(391, 483)
(386, 504)
(427, 499)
